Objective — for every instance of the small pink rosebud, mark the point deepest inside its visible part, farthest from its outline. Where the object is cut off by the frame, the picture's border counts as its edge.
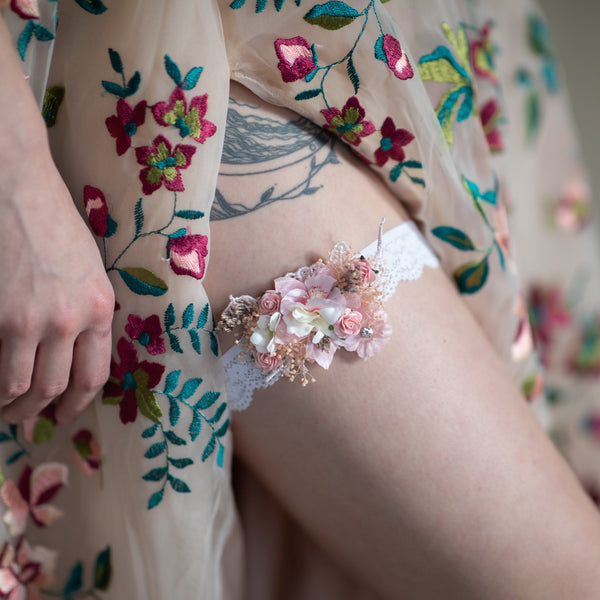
(367, 275)
(269, 302)
(187, 253)
(348, 324)
(265, 361)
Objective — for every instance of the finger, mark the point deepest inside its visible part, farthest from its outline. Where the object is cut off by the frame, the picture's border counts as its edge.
(50, 379)
(17, 358)
(90, 371)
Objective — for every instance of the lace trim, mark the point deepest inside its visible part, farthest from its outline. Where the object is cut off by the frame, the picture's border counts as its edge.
(404, 253)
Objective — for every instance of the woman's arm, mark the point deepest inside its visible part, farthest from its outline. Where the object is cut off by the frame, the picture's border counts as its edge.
(56, 302)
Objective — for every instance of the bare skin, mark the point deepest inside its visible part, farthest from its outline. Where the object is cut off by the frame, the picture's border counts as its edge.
(422, 470)
(56, 302)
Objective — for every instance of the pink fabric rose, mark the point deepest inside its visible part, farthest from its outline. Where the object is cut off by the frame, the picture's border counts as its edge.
(269, 303)
(187, 253)
(295, 58)
(374, 332)
(367, 275)
(348, 324)
(265, 361)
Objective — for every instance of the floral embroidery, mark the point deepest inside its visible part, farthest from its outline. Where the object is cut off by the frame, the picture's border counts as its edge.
(349, 122)
(147, 332)
(523, 341)
(491, 116)
(392, 142)
(388, 49)
(97, 211)
(86, 452)
(481, 54)
(39, 429)
(187, 324)
(261, 4)
(573, 210)
(295, 58)
(187, 253)
(26, 9)
(533, 387)
(124, 124)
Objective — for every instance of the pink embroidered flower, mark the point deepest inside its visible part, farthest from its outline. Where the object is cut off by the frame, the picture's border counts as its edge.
(348, 324)
(23, 570)
(388, 49)
(124, 124)
(30, 497)
(481, 54)
(265, 361)
(189, 120)
(86, 451)
(187, 253)
(97, 210)
(502, 234)
(269, 302)
(391, 143)
(131, 382)
(295, 58)
(491, 116)
(374, 332)
(26, 9)
(348, 123)
(163, 164)
(523, 341)
(573, 211)
(147, 332)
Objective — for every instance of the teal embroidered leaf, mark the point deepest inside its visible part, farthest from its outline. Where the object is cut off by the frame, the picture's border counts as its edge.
(174, 412)
(13, 458)
(218, 414)
(202, 317)
(103, 570)
(331, 15)
(13, 431)
(189, 388)
(379, 51)
(115, 61)
(24, 39)
(189, 214)
(169, 317)
(155, 474)
(395, 172)
(467, 105)
(195, 426)
(143, 282)
(188, 315)
(111, 226)
(172, 70)
(155, 450)
(114, 88)
(207, 400)
(260, 5)
(174, 438)
(138, 213)
(94, 7)
(75, 581)
(412, 164)
(220, 456)
(195, 341)
(223, 429)
(214, 344)
(191, 79)
(181, 463)
(457, 238)
(307, 94)
(472, 276)
(171, 381)
(175, 345)
(237, 4)
(155, 499)
(148, 433)
(41, 33)
(178, 485)
(352, 74)
(210, 447)
(179, 233)
(4, 437)
(133, 84)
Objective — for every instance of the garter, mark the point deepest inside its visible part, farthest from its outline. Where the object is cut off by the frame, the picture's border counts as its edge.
(344, 297)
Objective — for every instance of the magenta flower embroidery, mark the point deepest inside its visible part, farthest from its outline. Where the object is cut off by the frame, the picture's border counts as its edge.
(490, 117)
(295, 58)
(187, 253)
(26, 9)
(96, 209)
(163, 164)
(86, 452)
(388, 49)
(348, 123)
(124, 124)
(147, 332)
(130, 384)
(481, 53)
(188, 119)
(392, 141)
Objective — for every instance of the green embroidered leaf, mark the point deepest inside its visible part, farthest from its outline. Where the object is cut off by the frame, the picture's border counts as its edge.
(223, 429)
(155, 450)
(133, 85)
(172, 70)
(188, 315)
(181, 463)
(43, 430)
(53, 98)
(191, 79)
(171, 381)
(148, 433)
(175, 439)
(532, 115)
(115, 61)
(331, 15)
(210, 447)
(103, 570)
(155, 499)
(155, 474)
(307, 94)
(214, 344)
(202, 317)
(189, 388)
(174, 412)
(174, 341)
(207, 400)
(178, 485)
(75, 581)
(169, 317)
(92, 6)
(195, 426)
(472, 276)
(143, 282)
(189, 214)
(352, 74)
(460, 44)
(13, 458)
(215, 418)
(41, 33)
(147, 404)
(457, 238)
(440, 69)
(195, 340)
(138, 213)
(114, 88)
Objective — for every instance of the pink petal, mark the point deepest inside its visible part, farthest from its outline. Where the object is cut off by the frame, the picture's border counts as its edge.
(46, 480)
(46, 514)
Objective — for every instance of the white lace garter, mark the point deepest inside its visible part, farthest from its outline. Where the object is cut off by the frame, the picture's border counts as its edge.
(404, 253)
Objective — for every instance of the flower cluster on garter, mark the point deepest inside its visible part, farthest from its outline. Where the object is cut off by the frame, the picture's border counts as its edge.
(311, 313)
